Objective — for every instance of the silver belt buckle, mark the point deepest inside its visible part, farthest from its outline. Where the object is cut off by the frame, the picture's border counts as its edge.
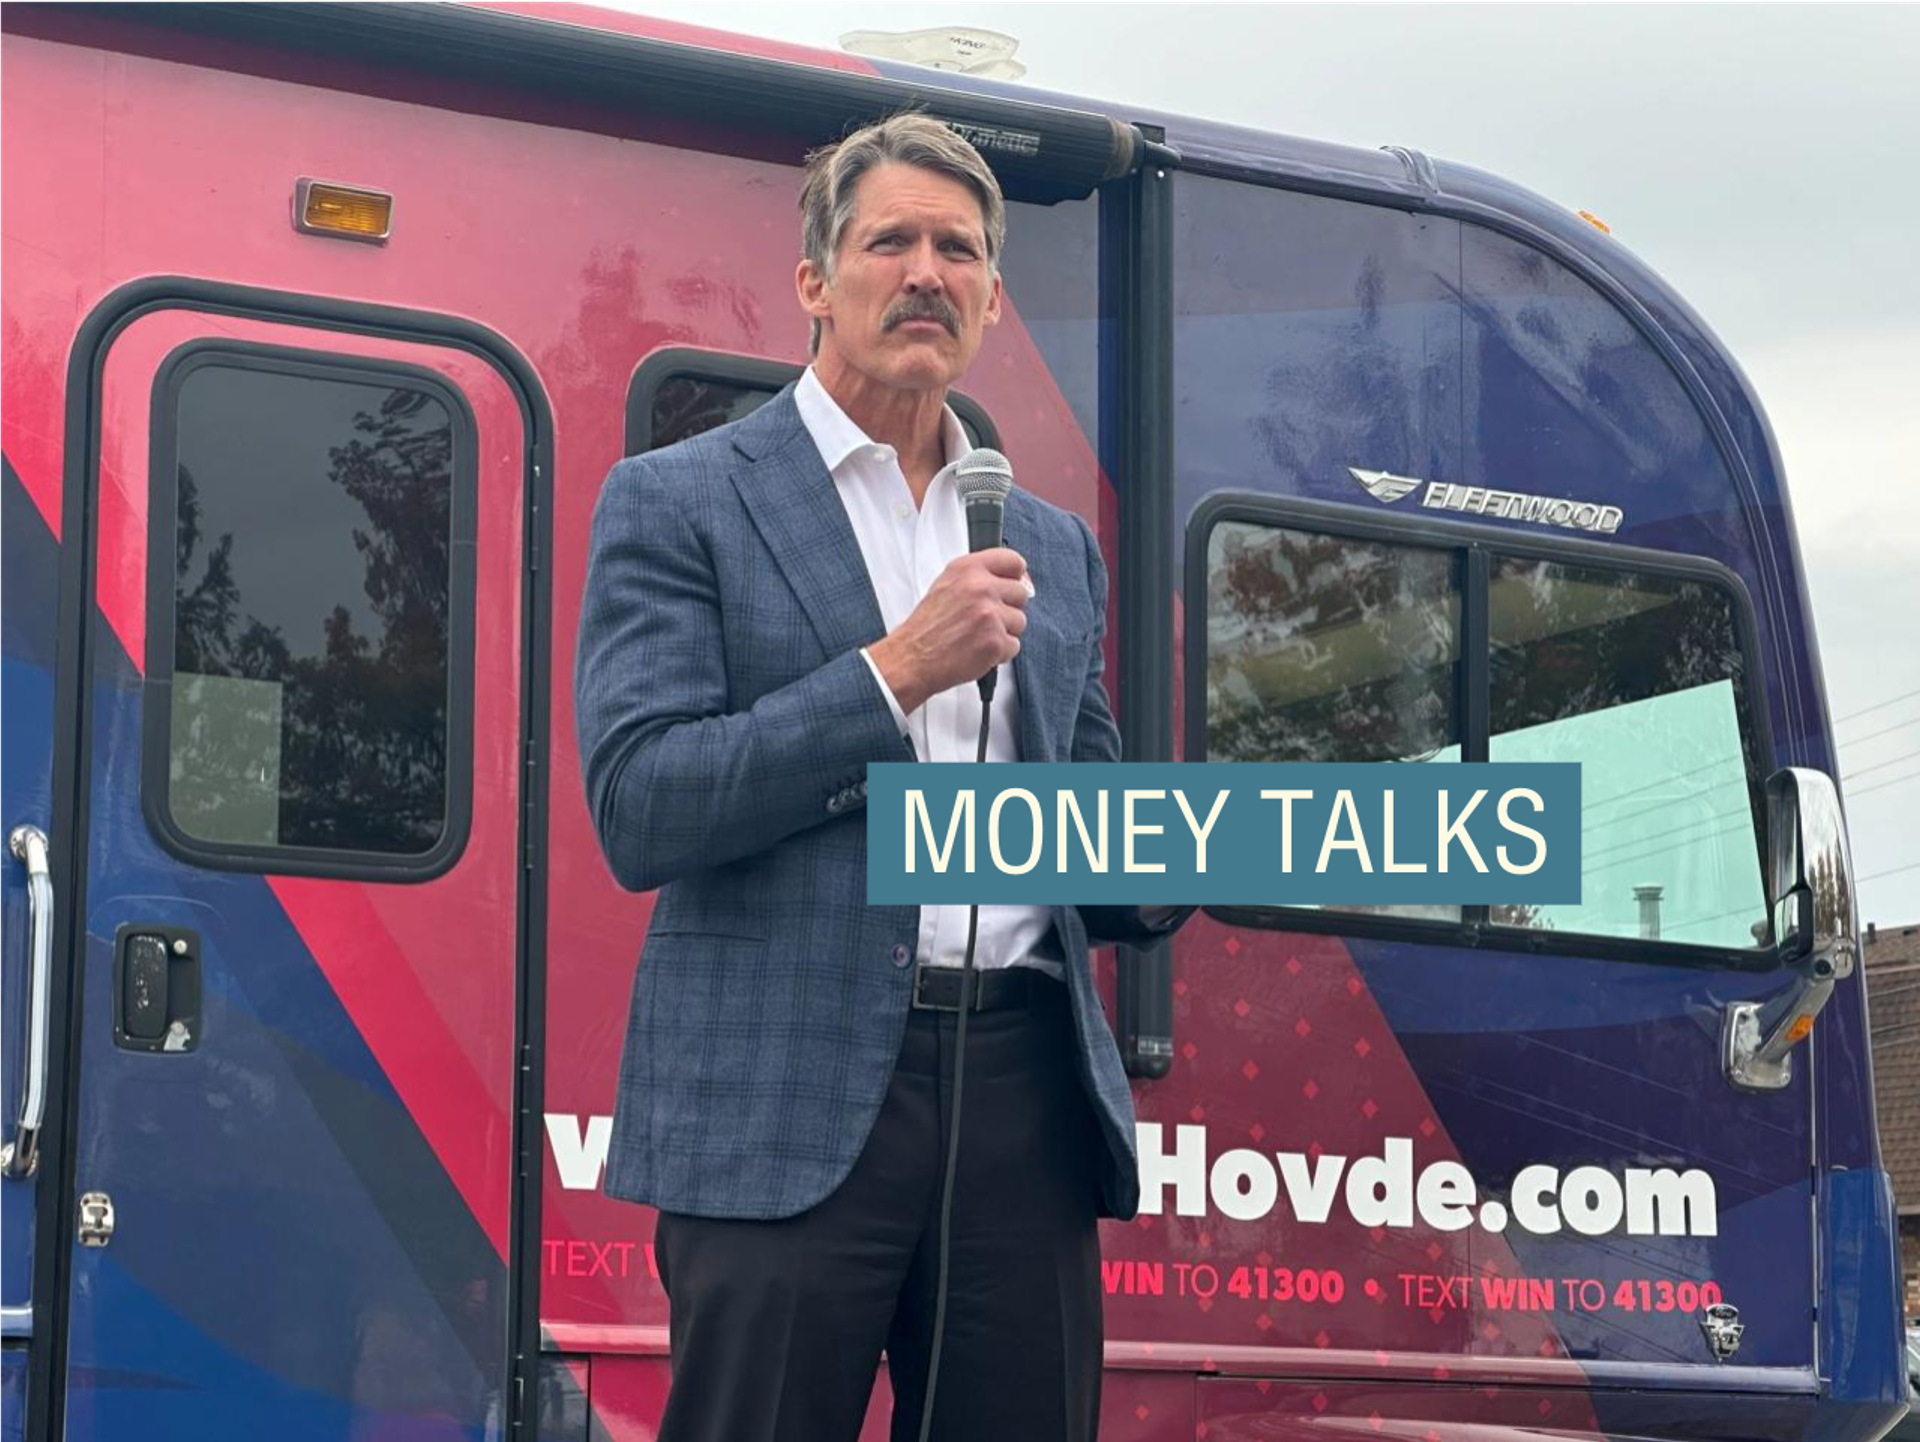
(920, 1003)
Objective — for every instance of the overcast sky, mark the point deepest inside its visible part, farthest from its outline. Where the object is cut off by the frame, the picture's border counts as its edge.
(1757, 156)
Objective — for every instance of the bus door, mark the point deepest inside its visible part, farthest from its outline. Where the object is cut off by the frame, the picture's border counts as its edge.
(291, 1209)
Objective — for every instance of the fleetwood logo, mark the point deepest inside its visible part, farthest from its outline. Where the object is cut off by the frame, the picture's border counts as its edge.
(1387, 488)
(1383, 485)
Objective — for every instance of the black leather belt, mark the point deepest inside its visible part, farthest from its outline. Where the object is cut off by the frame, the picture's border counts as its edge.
(937, 988)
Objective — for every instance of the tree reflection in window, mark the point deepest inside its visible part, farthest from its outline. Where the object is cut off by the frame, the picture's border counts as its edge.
(1329, 648)
(312, 595)
(680, 407)
(688, 405)
(1323, 648)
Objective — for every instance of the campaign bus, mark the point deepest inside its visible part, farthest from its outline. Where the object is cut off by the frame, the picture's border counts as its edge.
(324, 325)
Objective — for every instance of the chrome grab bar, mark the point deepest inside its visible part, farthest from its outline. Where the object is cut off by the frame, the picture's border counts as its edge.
(19, 1156)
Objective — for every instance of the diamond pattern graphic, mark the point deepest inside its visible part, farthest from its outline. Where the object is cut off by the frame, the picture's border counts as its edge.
(1308, 1044)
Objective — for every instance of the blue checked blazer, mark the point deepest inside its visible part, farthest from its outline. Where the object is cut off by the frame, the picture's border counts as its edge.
(726, 721)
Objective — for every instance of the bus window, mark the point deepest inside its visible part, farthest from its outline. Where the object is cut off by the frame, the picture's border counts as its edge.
(311, 580)
(1325, 648)
(683, 392)
(1639, 679)
(1578, 393)
(686, 405)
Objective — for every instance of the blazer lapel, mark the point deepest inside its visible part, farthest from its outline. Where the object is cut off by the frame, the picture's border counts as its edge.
(791, 497)
(1034, 680)
(793, 503)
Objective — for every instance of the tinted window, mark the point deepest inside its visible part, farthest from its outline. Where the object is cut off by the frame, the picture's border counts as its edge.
(685, 406)
(1050, 267)
(673, 397)
(1311, 335)
(1314, 334)
(1563, 387)
(1639, 679)
(311, 600)
(1323, 648)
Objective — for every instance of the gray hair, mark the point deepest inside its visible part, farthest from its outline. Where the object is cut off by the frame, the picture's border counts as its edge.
(909, 138)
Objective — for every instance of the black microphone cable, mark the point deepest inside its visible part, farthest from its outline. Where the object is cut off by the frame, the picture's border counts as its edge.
(959, 1083)
(983, 479)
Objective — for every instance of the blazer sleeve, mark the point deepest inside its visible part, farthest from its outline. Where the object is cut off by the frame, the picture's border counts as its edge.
(675, 782)
(1097, 738)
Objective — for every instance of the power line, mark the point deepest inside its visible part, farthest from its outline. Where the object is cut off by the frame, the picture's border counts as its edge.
(1879, 765)
(1875, 706)
(1670, 831)
(1662, 781)
(1697, 794)
(1883, 731)
(1883, 785)
(1910, 866)
(1636, 851)
(1727, 761)
(1635, 856)
(1707, 791)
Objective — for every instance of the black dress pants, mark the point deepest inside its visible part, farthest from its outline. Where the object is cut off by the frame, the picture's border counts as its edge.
(777, 1327)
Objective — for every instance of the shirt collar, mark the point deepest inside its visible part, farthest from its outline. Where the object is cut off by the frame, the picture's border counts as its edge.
(839, 439)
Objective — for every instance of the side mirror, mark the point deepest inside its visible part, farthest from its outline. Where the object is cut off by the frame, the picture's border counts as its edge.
(1810, 886)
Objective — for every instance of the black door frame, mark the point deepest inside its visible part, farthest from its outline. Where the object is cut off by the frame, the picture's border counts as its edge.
(72, 783)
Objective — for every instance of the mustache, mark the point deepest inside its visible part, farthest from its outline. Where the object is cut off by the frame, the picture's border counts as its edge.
(923, 307)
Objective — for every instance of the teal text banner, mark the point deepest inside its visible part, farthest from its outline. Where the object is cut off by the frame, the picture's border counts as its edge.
(1224, 833)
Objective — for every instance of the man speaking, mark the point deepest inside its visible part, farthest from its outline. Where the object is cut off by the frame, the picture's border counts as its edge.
(769, 608)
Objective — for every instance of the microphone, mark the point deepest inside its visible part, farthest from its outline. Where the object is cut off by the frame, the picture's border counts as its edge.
(983, 478)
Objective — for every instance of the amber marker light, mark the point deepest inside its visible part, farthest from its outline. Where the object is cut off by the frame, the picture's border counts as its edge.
(1596, 222)
(346, 212)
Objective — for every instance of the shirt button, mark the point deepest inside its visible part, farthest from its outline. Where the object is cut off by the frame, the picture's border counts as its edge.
(901, 956)
(903, 510)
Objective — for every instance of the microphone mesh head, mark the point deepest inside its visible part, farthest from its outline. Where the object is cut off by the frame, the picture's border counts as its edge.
(983, 475)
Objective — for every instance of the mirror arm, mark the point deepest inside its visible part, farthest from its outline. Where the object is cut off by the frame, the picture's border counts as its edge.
(1758, 1038)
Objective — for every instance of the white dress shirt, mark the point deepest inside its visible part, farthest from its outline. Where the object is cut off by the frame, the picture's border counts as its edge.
(906, 547)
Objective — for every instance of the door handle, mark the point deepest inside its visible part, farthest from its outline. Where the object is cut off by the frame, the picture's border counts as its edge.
(19, 1156)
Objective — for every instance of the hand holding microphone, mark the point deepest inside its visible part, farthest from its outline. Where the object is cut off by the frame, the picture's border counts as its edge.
(970, 621)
